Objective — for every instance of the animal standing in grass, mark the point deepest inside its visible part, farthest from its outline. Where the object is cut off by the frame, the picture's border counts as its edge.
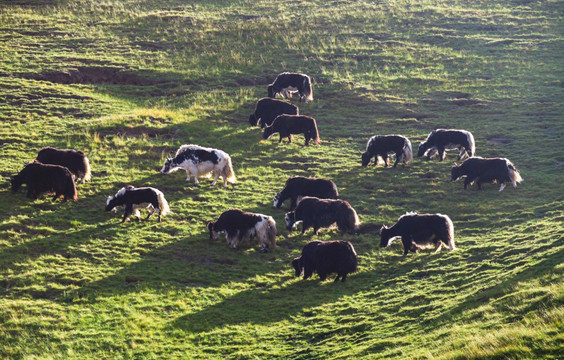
(488, 170)
(201, 161)
(268, 109)
(288, 83)
(240, 225)
(298, 186)
(419, 231)
(323, 213)
(45, 178)
(326, 258)
(135, 199)
(286, 125)
(379, 146)
(440, 140)
(73, 160)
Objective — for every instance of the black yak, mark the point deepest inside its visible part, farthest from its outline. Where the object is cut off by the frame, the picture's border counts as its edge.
(45, 178)
(138, 198)
(326, 258)
(418, 231)
(299, 186)
(379, 146)
(287, 83)
(318, 213)
(440, 140)
(268, 109)
(286, 125)
(73, 160)
(486, 171)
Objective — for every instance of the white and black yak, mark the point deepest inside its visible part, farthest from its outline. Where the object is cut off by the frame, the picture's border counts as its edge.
(241, 225)
(419, 231)
(325, 258)
(201, 161)
(288, 83)
(379, 146)
(135, 199)
(322, 213)
(440, 140)
(286, 125)
(488, 170)
(73, 160)
(268, 109)
(298, 186)
(45, 178)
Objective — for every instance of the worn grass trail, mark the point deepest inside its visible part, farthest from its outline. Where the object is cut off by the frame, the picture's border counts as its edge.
(130, 81)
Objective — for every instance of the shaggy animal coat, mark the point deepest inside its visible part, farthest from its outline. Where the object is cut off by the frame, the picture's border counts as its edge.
(440, 140)
(42, 178)
(286, 125)
(420, 231)
(299, 186)
(201, 162)
(318, 213)
(268, 109)
(326, 258)
(240, 225)
(486, 171)
(287, 83)
(73, 160)
(139, 198)
(379, 146)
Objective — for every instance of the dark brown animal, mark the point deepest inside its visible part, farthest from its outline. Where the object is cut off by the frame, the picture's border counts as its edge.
(287, 83)
(379, 146)
(45, 178)
(268, 109)
(73, 160)
(440, 140)
(297, 187)
(322, 213)
(326, 258)
(286, 125)
(489, 170)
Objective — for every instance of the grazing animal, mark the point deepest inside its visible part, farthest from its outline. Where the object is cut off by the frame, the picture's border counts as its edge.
(268, 109)
(286, 125)
(299, 186)
(486, 171)
(240, 225)
(318, 213)
(325, 258)
(379, 146)
(138, 198)
(419, 231)
(440, 140)
(287, 83)
(201, 162)
(73, 160)
(42, 178)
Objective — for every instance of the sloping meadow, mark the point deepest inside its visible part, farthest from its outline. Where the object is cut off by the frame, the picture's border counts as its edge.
(128, 82)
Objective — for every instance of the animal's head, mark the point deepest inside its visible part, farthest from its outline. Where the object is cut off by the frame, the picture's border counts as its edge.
(252, 120)
(384, 236)
(298, 265)
(455, 173)
(421, 150)
(277, 202)
(16, 182)
(271, 91)
(268, 131)
(365, 158)
(213, 234)
(290, 218)
(111, 203)
(168, 166)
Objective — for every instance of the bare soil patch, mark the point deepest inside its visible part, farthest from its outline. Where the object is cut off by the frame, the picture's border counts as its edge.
(94, 75)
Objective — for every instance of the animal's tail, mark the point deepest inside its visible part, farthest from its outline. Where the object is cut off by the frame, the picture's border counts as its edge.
(163, 204)
(87, 173)
(471, 145)
(407, 154)
(450, 231)
(513, 173)
(353, 218)
(228, 173)
(315, 135)
(308, 89)
(353, 258)
(270, 232)
(72, 188)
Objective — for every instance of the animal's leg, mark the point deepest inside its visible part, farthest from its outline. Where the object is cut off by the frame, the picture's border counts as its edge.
(514, 183)
(337, 278)
(344, 277)
(406, 245)
(187, 176)
(462, 152)
(316, 230)
(502, 187)
(196, 182)
(215, 179)
(479, 184)
(322, 276)
(127, 212)
(279, 141)
(438, 246)
(468, 181)
(386, 160)
(56, 196)
(293, 203)
(290, 138)
(306, 140)
(442, 153)
(151, 212)
(398, 156)
(305, 226)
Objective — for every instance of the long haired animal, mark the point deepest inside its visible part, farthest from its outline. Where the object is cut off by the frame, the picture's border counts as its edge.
(286, 125)
(268, 109)
(322, 213)
(440, 140)
(419, 231)
(240, 225)
(201, 162)
(73, 160)
(287, 83)
(379, 146)
(297, 187)
(45, 178)
(487, 170)
(325, 258)
(135, 199)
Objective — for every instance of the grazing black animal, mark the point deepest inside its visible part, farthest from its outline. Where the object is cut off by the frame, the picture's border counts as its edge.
(325, 258)
(418, 231)
(286, 125)
(240, 225)
(318, 213)
(299, 186)
(379, 146)
(138, 198)
(287, 83)
(486, 171)
(440, 140)
(268, 109)
(42, 178)
(73, 160)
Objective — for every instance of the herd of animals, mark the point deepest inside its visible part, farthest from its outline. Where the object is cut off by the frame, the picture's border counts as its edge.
(314, 202)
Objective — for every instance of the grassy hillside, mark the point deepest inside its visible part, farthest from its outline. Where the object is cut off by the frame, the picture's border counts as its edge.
(130, 81)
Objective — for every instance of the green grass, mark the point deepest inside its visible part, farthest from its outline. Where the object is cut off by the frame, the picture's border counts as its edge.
(148, 76)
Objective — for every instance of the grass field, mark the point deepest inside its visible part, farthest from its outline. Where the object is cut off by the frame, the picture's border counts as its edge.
(130, 81)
